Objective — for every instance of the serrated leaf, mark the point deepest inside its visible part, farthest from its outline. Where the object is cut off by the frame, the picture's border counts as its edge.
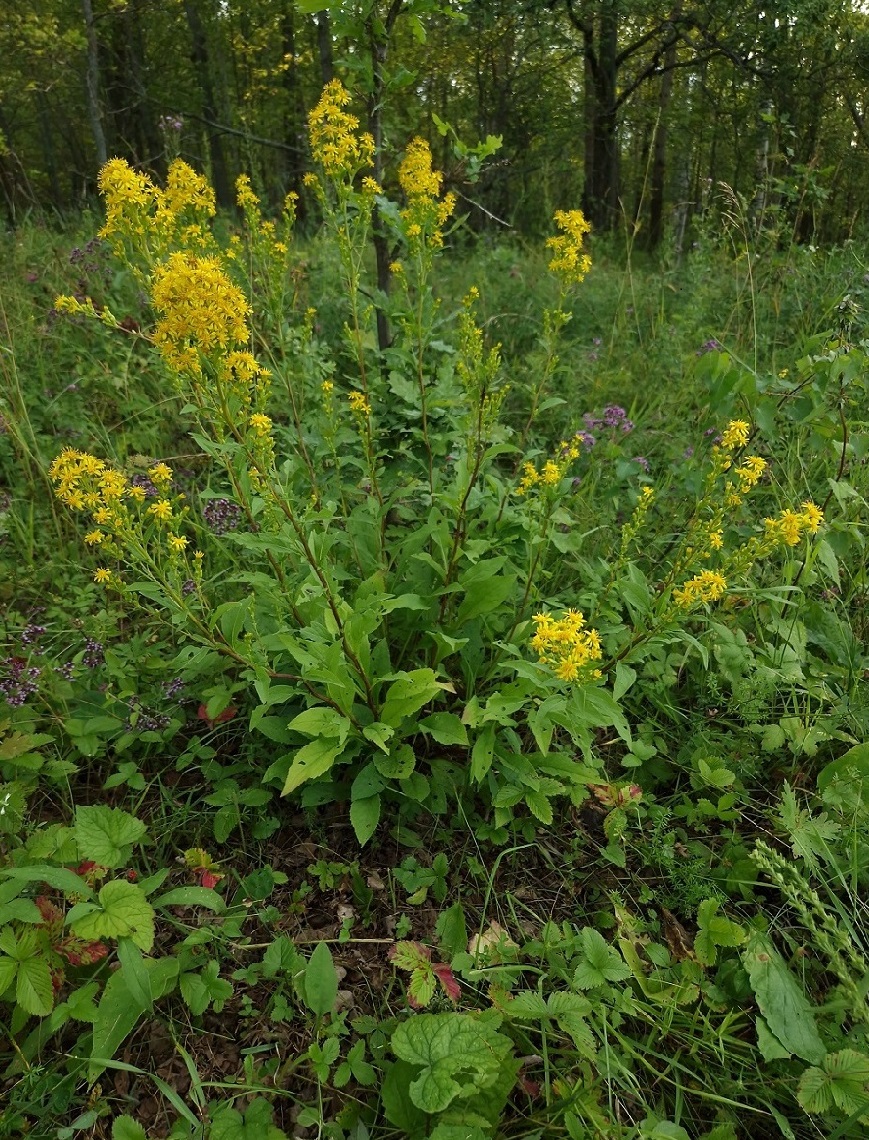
(107, 835)
(33, 989)
(409, 955)
(602, 963)
(122, 912)
(421, 987)
(539, 805)
(125, 1128)
(781, 1000)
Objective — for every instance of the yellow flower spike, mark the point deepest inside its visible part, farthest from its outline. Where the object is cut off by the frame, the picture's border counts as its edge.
(334, 143)
(570, 262)
(244, 195)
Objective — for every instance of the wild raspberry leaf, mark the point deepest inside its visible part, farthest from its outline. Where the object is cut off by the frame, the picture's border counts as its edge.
(422, 986)
(780, 998)
(122, 911)
(457, 1054)
(33, 989)
(200, 990)
(61, 878)
(714, 930)
(841, 1082)
(447, 979)
(125, 1128)
(107, 835)
(602, 964)
(409, 955)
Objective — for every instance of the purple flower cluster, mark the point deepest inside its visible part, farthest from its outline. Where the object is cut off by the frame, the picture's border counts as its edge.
(188, 587)
(94, 654)
(170, 123)
(31, 634)
(19, 680)
(613, 417)
(642, 461)
(221, 515)
(710, 345)
(84, 257)
(172, 688)
(140, 719)
(66, 671)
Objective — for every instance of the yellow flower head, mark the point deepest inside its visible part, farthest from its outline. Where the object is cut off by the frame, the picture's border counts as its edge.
(160, 474)
(570, 260)
(707, 586)
(94, 537)
(735, 435)
(161, 510)
(261, 424)
(177, 543)
(185, 189)
(128, 194)
(102, 576)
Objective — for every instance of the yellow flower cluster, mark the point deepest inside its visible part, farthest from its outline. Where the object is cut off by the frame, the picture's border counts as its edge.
(332, 131)
(127, 195)
(567, 646)
(425, 215)
(201, 310)
(244, 195)
(85, 483)
(735, 435)
(790, 526)
(707, 586)
(359, 404)
(262, 425)
(570, 262)
(552, 471)
(136, 207)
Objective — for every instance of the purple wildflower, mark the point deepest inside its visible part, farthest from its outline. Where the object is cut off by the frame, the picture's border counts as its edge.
(710, 345)
(642, 461)
(586, 438)
(31, 634)
(188, 587)
(221, 515)
(19, 682)
(139, 480)
(94, 654)
(172, 688)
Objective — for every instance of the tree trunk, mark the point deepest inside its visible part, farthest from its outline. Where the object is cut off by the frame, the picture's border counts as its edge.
(659, 153)
(324, 47)
(601, 196)
(199, 57)
(294, 114)
(92, 78)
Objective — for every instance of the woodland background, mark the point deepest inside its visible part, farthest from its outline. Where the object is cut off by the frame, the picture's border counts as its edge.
(636, 111)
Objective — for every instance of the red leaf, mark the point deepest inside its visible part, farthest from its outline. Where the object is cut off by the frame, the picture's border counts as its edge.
(209, 879)
(221, 718)
(447, 979)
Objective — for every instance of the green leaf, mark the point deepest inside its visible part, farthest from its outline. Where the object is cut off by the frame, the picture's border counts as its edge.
(321, 721)
(451, 930)
(321, 981)
(191, 896)
(625, 677)
(483, 753)
(591, 707)
(310, 762)
(61, 878)
(8, 970)
(107, 835)
(33, 989)
(365, 815)
(602, 963)
(122, 912)
(408, 694)
(125, 1128)
(714, 930)
(539, 805)
(781, 1000)
(457, 1055)
(768, 1046)
(445, 728)
(841, 1082)
(118, 1011)
(200, 990)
